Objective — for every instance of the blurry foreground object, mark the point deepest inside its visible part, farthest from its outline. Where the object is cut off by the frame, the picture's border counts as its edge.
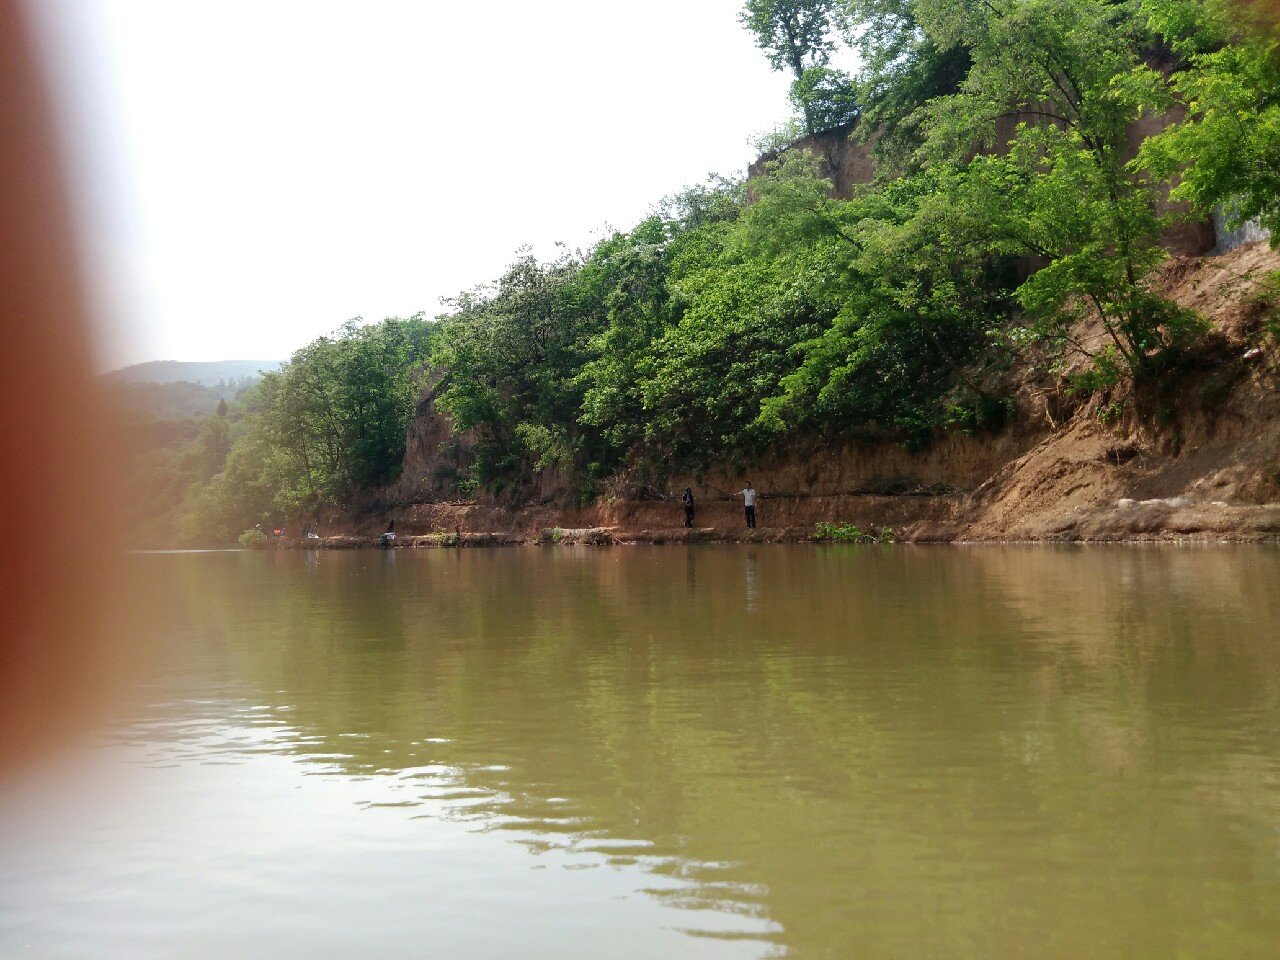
(59, 656)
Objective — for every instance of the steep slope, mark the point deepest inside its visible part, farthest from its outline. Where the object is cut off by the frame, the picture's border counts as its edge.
(1201, 460)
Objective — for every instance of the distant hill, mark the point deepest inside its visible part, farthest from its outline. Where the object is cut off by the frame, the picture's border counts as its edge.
(174, 401)
(207, 372)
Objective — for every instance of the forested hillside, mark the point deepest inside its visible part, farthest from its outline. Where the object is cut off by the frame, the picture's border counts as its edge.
(328, 424)
(173, 435)
(1010, 233)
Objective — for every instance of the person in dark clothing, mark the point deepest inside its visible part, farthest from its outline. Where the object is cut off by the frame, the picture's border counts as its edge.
(748, 495)
(688, 507)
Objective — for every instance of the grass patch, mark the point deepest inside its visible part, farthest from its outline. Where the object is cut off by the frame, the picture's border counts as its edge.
(851, 533)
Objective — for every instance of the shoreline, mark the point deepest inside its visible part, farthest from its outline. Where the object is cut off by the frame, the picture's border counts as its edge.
(606, 537)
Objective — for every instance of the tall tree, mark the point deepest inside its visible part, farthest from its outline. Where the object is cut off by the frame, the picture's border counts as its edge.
(510, 355)
(796, 35)
(327, 424)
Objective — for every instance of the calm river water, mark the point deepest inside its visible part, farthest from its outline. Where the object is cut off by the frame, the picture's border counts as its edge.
(706, 752)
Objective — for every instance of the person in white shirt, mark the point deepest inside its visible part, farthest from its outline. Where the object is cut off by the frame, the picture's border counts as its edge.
(748, 495)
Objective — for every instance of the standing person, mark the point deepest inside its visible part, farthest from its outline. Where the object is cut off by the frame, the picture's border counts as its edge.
(748, 495)
(688, 507)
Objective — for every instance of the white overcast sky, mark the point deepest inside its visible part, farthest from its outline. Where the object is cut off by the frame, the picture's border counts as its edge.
(251, 173)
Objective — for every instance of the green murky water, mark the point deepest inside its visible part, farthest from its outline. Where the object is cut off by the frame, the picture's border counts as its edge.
(884, 752)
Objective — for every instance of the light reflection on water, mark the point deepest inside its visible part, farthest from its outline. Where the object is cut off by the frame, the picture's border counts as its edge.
(703, 752)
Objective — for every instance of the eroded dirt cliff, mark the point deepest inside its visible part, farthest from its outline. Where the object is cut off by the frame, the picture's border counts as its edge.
(1200, 460)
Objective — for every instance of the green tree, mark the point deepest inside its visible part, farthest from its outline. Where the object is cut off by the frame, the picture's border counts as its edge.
(914, 284)
(630, 273)
(741, 308)
(902, 67)
(1226, 153)
(795, 35)
(215, 444)
(826, 98)
(511, 356)
(1066, 77)
(330, 423)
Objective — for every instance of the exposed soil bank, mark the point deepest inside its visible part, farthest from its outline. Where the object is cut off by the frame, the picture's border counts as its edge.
(1200, 461)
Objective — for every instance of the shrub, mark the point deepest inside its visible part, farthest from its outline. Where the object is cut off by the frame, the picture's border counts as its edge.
(850, 533)
(1105, 373)
(253, 539)
(983, 414)
(1266, 300)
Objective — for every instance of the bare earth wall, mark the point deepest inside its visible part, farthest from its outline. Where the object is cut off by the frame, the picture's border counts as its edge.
(1206, 465)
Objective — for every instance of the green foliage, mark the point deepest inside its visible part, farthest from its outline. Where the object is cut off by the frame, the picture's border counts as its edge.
(917, 286)
(1105, 373)
(329, 423)
(826, 97)
(1110, 413)
(903, 68)
(1227, 151)
(661, 343)
(175, 435)
(979, 415)
(628, 274)
(718, 200)
(776, 139)
(511, 356)
(1069, 75)
(796, 35)
(850, 533)
(1267, 301)
(743, 311)
(253, 539)
(1006, 216)
(445, 538)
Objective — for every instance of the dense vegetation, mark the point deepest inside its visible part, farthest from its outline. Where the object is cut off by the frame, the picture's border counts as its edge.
(173, 435)
(1007, 212)
(327, 425)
